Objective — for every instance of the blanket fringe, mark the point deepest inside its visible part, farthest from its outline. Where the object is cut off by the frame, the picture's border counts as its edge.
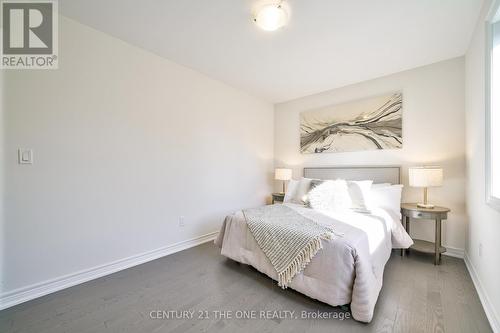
(301, 261)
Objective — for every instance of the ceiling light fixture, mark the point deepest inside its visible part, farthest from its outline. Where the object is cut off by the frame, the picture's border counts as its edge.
(271, 16)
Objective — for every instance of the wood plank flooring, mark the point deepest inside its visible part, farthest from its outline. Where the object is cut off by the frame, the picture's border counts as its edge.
(417, 297)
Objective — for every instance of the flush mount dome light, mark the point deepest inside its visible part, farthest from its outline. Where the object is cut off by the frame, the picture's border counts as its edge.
(271, 17)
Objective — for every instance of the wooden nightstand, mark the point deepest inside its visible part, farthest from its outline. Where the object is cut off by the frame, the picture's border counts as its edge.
(278, 197)
(437, 214)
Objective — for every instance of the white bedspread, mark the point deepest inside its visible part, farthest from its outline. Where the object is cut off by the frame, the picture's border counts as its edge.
(349, 268)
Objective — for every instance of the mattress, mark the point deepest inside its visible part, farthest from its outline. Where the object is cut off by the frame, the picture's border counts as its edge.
(347, 270)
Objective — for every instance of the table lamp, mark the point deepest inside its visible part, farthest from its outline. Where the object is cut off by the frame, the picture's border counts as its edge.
(284, 175)
(427, 176)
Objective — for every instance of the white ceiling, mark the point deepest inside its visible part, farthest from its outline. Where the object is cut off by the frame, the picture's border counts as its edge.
(327, 43)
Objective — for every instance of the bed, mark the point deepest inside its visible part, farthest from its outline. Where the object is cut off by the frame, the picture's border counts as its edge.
(349, 268)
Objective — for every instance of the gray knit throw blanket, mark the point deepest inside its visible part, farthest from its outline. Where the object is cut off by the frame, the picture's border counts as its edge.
(288, 239)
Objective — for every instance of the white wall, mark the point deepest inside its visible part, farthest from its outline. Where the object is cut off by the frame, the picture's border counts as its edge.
(484, 222)
(124, 143)
(433, 133)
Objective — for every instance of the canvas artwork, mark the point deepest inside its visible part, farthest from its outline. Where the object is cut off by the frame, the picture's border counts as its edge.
(371, 123)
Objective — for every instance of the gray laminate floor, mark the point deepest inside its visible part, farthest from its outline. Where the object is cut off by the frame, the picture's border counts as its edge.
(417, 297)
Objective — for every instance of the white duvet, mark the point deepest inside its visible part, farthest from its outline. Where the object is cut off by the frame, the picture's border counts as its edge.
(348, 270)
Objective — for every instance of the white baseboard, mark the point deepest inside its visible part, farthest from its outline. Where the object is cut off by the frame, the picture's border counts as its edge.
(454, 252)
(493, 317)
(33, 291)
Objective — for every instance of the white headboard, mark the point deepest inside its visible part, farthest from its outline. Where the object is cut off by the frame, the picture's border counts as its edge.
(379, 174)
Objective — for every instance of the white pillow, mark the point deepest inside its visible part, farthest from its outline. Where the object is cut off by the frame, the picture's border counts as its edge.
(312, 184)
(303, 188)
(297, 190)
(291, 190)
(360, 193)
(381, 185)
(388, 198)
(330, 195)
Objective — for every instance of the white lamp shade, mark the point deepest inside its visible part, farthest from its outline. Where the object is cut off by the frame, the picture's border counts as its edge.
(425, 176)
(283, 174)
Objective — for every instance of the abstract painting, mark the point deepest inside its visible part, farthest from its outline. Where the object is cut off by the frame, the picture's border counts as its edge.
(371, 123)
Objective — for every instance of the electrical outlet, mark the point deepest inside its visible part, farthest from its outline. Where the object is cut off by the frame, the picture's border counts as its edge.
(182, 222)
(480, 249)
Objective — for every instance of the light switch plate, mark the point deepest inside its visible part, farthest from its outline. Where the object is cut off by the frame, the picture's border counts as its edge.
(25, 156)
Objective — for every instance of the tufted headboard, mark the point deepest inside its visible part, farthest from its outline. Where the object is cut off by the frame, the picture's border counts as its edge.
(379, 174)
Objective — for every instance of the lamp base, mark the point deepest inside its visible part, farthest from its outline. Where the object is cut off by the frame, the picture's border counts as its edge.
(427, 206)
